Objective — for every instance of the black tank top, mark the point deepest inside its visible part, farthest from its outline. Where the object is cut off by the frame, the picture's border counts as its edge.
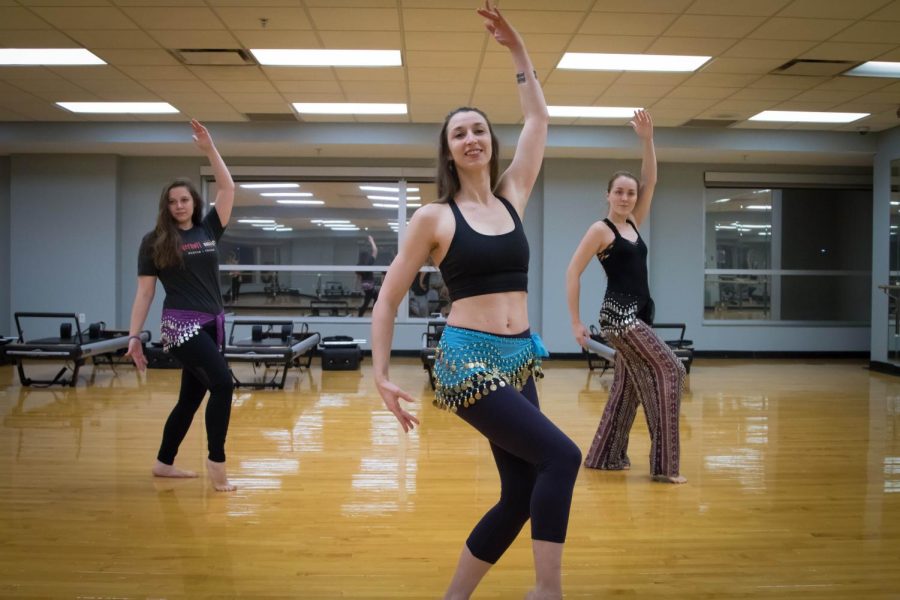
(478, 264)
(625, 263)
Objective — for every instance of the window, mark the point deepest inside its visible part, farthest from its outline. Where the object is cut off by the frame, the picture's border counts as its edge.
(788, 255)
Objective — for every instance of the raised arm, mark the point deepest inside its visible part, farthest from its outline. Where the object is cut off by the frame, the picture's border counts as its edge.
(417, 246)
(643, 127)
(224, 183)
(597, 237)
(374, 247)
(516, 182)
(143, 297)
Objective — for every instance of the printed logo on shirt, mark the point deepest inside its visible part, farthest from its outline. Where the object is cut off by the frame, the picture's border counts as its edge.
(194, 248)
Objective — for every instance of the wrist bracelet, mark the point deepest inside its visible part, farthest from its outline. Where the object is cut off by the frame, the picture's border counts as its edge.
(134, 337)
(520, 77)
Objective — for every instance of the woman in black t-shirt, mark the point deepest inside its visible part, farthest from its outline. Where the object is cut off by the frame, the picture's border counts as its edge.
(181, 252)
(647, 372)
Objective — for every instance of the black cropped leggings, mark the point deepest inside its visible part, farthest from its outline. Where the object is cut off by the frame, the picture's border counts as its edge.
(204, 369)
(537, 464)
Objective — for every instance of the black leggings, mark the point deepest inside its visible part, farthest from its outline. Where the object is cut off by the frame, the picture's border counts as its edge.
(204, 368)
(537, 463)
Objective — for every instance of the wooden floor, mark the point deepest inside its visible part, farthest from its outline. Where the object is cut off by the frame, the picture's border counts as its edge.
(794, 491)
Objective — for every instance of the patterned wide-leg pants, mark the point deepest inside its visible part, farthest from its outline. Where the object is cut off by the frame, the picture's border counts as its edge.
(648, 373)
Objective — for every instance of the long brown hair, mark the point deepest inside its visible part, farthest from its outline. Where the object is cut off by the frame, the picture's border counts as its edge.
(447, 178)
(166, 239)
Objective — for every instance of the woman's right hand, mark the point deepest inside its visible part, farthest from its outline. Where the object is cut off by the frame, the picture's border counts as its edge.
(499, 27)
(391, 394)
(136, 354)
(581, 334)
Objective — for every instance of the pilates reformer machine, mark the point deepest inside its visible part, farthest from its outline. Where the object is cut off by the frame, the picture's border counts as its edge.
(430, 339)
(73, 345)
(271, 343)
(600, 355)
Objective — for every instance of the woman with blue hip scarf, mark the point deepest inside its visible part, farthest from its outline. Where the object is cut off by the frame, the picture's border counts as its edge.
(647, 372)
(487, 358)
(181, 252)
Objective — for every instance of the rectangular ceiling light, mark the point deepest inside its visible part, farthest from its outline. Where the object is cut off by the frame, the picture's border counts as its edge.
(394, 206)
(290, 57)
(381, 188)
(392, 198)
(875, 68)
(48, 56)
(310, 202)
(132, 108)
(263, 186)
(595, 112)
(349, 108)
(592, 61)
(799, 116)
(286, 194)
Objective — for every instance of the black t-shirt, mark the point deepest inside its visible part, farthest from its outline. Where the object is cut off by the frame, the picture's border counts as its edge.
(195, 286)
(366, 260)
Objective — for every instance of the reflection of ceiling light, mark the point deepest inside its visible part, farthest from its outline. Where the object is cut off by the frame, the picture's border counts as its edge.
(285, 229)
(271, 227)
(895, 203)
(256, 220)
(264, 225)
(286, 194)
(295, 57)
(300, 201)
(131, 108)
(262, 186)
(721, 200)
(380, 188)
(596, 112)
(592, 61)
(349, 108)
(48, 56)
(327, 221)
(800, 116)
(394, 206)
(758, 207)
(393, 198)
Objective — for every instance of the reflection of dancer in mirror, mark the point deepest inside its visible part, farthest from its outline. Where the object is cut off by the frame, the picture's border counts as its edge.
(418, 299)
(487, 357)
(181, 252)
(647, 372)
(367, 278)
(235, 291)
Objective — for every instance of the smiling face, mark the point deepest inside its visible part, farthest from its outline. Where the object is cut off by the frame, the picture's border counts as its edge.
(469, 140)
(181, 206)
(622, 195)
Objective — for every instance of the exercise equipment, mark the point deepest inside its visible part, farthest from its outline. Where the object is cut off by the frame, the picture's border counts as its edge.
(73, 344)
(430, 338)
(272, 343)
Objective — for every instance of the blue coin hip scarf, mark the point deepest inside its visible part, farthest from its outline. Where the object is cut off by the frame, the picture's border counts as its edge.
(470, 364)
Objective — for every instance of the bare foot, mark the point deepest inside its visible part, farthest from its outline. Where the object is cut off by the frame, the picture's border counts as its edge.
(218, 477)
(161, 469)
(669, 478)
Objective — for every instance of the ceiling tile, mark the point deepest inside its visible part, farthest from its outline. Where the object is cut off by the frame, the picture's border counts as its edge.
(626, 24)
(361, 40)
(702, 25)
(204, 40)
(762, 8)
(277, 39)
(99, 38)
(149, 73)
(692, 91)
(295, 87)
(122, 58)
(788, 82)
(391, 74)
(891, 12)
(721, 79)
(831, 9)
(244, 74)
(445, 41)
(35, 38)
(415, 19)
(642, 6)
(425, 59)
(542, 21)
(780, 49)
(869, 31)
(799, 29)
(356, 19)
(846, 51)
(742, 65)
(690, 46)
(276, 18)
(616, 44)
(86, 17)
(20, 18)
(174, 18)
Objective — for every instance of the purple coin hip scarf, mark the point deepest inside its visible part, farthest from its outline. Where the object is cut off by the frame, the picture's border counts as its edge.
(178, 326)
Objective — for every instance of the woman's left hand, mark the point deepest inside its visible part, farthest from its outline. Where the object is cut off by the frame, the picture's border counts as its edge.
(642, 124)
(201, 136)
(499, 27)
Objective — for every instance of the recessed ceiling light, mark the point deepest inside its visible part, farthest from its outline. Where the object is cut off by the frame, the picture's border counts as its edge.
(594, 112)
(132, 108)
(349, 108)
(592, 61)
(310, 202)
(394, 206)
(799, 116)
(286, 194)
(381, 188)
(294, 57)
(262, 186)
(875, 68)
(48, 56)
(393, 198)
